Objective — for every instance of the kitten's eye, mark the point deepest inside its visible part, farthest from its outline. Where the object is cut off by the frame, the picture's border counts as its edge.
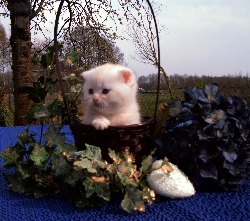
(105, 91)
(91, 91)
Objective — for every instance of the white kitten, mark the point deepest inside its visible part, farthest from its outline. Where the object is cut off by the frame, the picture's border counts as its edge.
(110, 96)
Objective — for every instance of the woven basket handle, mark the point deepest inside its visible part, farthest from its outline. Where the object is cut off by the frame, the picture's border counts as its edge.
(159, 58)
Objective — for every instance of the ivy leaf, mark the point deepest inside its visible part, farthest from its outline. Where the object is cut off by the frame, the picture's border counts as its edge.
(114, 156)
(76, 88)
(146, 164)
(35, 94)
(90, 159)
(93, 154)
(97, 185)
(133, 201)
(70, 77)
(39, 155)
(60, 165)
(69, 147)
(10, 157)
(53, 137)
(85, 163)
(126, 174)
(41, 113)
(46, 60)
(15, 183)
(73, 177)
(23, 170)
(25, 137)
(72, 58)
(148, 195)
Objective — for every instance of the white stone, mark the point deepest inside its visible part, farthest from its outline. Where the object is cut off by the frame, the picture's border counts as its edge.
(174, 184)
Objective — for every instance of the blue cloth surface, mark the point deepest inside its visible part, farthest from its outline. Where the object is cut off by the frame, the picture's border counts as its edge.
(202, 206)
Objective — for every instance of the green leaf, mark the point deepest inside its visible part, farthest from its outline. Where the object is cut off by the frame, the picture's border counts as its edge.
(46, 60)
(125, 173)
(37, 93)
(93, 154)
(125, 181)
(146, 164)
(70, 77)
(89, 187)
(133, 201)
(85, 163)
(74, 176)
(165, 161)
(90, 159)
(26, 138)
(41, 113)
(15, 183)
(69, 147)
(60, 165)
(97, 185)
(10, 157)
(39, 155)
(53, 137)
(23, 170)
(72, 58)
(114, 156)
(76, 89)
(148, 195)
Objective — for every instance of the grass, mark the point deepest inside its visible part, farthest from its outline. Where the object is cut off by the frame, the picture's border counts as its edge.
(147, 102)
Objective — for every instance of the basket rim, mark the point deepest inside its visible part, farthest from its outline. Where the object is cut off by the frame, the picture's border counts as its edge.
(146, 121)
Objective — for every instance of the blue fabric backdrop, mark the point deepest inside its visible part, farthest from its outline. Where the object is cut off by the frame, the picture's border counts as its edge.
(203, 206)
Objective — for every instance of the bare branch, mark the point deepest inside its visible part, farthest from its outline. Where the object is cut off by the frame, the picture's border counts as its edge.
(144, 37)
(38, 10)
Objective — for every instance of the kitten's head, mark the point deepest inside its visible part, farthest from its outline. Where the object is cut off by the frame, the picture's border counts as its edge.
(109, 88)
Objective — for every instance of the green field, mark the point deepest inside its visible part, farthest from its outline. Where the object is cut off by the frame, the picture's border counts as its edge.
(147, 102)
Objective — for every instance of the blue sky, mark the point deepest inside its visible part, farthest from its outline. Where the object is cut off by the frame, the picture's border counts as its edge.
(205, 37)
(201, 37)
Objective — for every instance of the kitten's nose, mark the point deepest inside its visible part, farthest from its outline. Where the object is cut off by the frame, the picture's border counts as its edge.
(96, 98)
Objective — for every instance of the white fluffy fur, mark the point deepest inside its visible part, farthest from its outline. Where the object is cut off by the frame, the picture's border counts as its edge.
(117, 107)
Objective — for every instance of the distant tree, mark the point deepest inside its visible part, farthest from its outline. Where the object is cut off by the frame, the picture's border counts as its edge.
(5, 56)
(92, 47)
(5, 70)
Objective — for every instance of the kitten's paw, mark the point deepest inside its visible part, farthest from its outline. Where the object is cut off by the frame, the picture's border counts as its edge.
(100, 123)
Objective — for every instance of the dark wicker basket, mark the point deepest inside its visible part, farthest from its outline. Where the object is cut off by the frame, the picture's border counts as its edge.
(137, 138)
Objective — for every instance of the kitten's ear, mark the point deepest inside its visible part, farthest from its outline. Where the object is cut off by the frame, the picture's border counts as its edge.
(84, 74)
(127, 76)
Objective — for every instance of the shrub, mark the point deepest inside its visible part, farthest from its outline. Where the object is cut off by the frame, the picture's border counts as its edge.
(6, 117)
(208, 137)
